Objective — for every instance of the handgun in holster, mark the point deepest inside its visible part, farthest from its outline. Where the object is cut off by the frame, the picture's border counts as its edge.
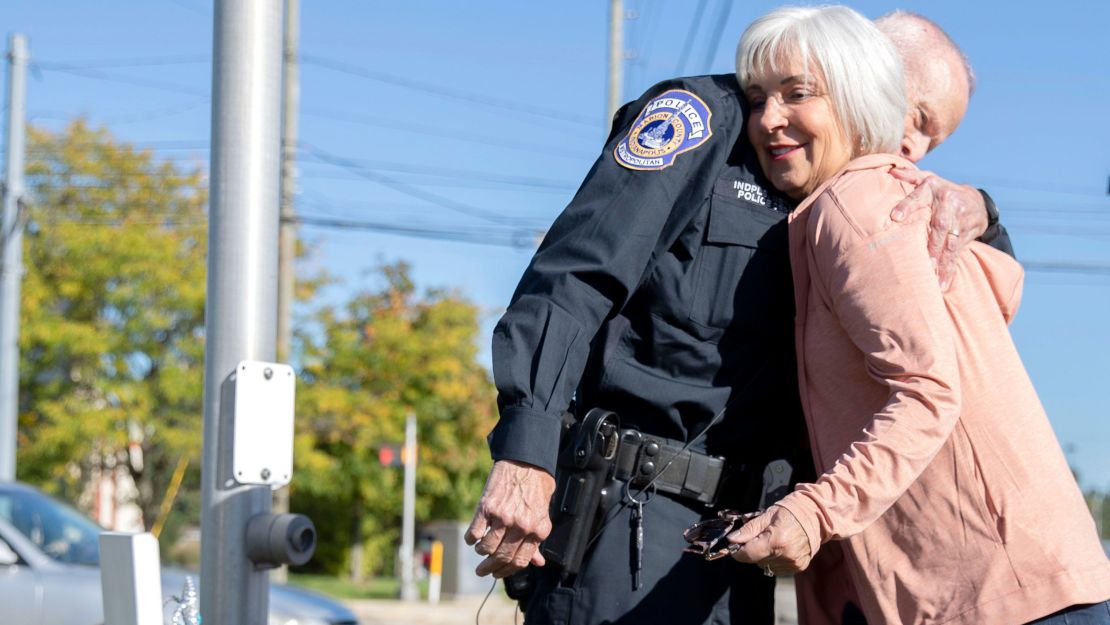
(583, 470)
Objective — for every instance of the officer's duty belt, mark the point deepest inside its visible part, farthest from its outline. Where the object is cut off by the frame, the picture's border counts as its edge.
(691, 475)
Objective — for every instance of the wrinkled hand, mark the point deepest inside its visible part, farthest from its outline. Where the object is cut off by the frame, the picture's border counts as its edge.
(959, 216)
(773, 539)
(511, 520)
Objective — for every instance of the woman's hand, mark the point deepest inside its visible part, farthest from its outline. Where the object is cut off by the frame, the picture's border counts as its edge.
(774, 541)
(959, 216)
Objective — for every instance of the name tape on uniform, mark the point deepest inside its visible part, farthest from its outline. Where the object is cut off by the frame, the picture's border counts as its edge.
(674, 122)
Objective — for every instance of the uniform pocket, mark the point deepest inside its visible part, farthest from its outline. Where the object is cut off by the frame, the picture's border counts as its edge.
(742, 270)
(560, 607)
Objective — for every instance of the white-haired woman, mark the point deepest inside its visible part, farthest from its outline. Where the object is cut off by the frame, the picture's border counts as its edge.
(944, 496)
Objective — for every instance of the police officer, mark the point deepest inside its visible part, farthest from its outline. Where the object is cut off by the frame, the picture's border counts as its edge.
(663, 293)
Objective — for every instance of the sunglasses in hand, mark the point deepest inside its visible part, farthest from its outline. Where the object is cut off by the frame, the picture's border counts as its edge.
(708, 538)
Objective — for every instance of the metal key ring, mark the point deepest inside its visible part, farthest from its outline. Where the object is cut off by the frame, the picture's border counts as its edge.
(626, 494)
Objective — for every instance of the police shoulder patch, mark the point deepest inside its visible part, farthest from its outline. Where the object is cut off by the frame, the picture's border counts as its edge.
(673, 122)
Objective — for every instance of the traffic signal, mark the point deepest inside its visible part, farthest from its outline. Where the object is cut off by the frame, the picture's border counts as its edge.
(390, 456)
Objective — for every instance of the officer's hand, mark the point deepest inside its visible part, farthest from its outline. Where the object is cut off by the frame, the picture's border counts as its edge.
(959, 216)
(511, 520)
(774, 541)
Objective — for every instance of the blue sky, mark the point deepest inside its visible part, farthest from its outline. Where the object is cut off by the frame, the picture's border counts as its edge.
(490, 113)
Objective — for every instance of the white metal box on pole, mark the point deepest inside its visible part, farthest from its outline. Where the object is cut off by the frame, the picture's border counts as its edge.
(130, 579)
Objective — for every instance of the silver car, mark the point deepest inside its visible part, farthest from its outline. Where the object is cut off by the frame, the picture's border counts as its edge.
(50, 575)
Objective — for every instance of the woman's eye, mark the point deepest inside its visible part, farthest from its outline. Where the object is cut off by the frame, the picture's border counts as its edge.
(758, 104)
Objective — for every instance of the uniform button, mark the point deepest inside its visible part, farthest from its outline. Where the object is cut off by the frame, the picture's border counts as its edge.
(647, 467)
(652, 448)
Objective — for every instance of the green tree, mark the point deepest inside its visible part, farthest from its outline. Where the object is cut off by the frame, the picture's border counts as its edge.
(112, 316)
(389, 353)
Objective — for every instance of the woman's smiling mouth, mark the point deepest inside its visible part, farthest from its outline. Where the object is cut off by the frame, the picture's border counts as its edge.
(782, 151)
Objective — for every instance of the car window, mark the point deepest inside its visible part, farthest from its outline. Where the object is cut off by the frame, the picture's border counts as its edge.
(7, 554)
(59, 531)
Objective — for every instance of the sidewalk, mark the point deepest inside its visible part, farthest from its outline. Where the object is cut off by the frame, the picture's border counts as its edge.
(499, 610)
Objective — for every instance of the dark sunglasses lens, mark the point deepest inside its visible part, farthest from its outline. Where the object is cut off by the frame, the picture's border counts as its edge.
(704, 534)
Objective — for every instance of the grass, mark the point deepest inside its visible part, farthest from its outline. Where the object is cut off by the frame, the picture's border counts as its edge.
(371, 588)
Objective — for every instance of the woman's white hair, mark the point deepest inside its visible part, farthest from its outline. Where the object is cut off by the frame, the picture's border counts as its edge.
(860, 66)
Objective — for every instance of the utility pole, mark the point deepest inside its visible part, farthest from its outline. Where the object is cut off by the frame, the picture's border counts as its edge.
(287, 231)
(11, 260)
(408, 514)
(616, 58)
(241, 309)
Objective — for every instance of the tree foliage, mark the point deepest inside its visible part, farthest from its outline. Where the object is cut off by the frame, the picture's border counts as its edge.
(389, 353)
(112, 315)
(112, 354)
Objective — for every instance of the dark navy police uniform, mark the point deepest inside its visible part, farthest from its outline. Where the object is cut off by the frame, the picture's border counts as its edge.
(662, 292)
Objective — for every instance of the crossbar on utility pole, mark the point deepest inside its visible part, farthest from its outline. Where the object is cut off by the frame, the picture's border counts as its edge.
(241, 302)
(11, 257)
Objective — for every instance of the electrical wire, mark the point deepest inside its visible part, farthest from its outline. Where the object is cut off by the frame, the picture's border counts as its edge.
(143, 61)
(689, 43)
(369, 166)
(715, 38)
(407, 189)
(519, 238)
(127, 80)
(478, 614)
(439, 90)
(450, 133)
(123, 118)
(1092, 269)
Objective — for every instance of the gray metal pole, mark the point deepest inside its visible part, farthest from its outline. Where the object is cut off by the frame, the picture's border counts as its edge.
(408, 516)
(242, 277)
(616, 59)
(287, 234)
(11, 257)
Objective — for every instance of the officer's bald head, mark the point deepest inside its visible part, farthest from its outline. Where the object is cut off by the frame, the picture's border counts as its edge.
(939, 80)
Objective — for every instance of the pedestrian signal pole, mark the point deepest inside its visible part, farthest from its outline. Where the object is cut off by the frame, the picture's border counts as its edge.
(11, 257)
(240, 314)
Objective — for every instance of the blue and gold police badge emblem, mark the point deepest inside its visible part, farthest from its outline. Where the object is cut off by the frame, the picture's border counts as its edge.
(674, 122)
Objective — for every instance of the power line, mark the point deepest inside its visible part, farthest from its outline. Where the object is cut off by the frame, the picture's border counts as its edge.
(1092, 269)
(482, 138)
(651, 27)
(127, 80)
(144, 61)
(122, 118)
(689, 43)
(718, 30)
(165, 144)
(407, 189)
(362, 166)
(348, 209)
(432, 181)
(517, 238)
(408, 83)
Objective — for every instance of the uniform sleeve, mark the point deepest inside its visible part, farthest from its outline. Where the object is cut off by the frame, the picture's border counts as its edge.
(591, 260)
(884, 292)
(995, 235)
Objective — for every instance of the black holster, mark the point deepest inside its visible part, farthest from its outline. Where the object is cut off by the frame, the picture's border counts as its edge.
(584, 468)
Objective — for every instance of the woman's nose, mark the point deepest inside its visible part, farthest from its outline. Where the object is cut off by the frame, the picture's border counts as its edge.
(773, 116)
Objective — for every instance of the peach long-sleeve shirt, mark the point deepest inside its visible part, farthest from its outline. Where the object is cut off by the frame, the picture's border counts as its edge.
(943, 482)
